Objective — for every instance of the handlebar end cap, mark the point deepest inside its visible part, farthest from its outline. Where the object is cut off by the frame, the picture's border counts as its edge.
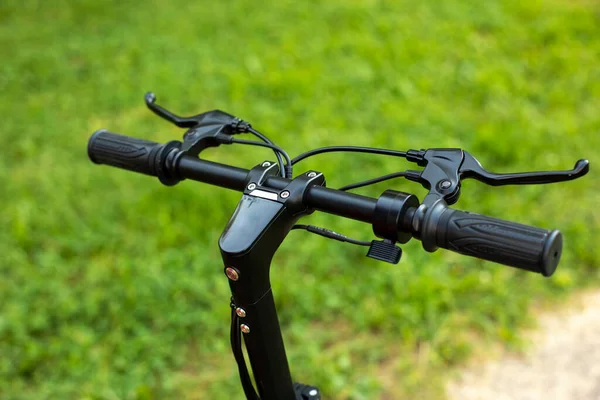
(551, 253)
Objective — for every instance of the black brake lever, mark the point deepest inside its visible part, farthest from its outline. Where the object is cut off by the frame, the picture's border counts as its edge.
(446, 168)
(181, 122)
(471, 168)
(203, 128)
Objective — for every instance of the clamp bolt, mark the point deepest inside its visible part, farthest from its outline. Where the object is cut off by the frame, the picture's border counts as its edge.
(245, 328)
(252, 186)
(445, 184)
(285, 194)
(232, 273)
(312, 174)
(240, 312)
(266, 164)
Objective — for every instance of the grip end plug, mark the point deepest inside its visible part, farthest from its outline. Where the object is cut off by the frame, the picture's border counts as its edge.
(91, 144)
(551, 253)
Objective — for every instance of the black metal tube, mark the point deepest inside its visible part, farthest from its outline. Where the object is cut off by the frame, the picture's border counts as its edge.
(212, 173)
(266, 350)
(344, 204)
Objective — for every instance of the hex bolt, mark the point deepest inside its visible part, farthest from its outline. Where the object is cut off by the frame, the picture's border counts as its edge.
(266, 164)
(285, 194)
(252, 186)
(240, 312)
(445, 184)
(245, 328)
(232, 273)
(312, 174)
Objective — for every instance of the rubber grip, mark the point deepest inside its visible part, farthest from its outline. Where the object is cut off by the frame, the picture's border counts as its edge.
(124, 152)
(521, 246)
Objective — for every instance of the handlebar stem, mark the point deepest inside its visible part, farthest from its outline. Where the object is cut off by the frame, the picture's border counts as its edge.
(258, 226)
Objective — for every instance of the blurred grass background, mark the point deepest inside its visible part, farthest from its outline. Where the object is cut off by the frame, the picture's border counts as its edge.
(111, 285)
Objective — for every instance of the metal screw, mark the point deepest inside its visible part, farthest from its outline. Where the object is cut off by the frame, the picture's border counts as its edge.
(285, 194)
(245, 328)
(266, 164)
(232, 273)
(240, 312)
(313, 392)
(445, 184)
(312, 174)
(252, 186)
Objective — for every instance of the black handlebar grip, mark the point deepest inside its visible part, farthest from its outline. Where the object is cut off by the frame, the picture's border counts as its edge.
(124, 152)
(521, 246)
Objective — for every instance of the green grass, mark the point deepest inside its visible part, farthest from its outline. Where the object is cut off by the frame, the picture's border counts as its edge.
(111, 285)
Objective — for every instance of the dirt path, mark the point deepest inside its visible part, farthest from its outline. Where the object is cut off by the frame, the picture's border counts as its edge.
(563, 361)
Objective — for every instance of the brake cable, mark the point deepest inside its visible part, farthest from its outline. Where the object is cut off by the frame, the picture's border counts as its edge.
(354, 149)
(287, 168)
(360, 149)
(267, 140)
(373, 181)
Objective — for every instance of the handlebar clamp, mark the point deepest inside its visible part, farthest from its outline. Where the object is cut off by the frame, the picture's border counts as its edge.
(292, 195)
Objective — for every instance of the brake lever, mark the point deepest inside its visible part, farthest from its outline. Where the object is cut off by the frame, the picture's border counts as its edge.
(471, 168)
(446, 168)
(203, 128)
